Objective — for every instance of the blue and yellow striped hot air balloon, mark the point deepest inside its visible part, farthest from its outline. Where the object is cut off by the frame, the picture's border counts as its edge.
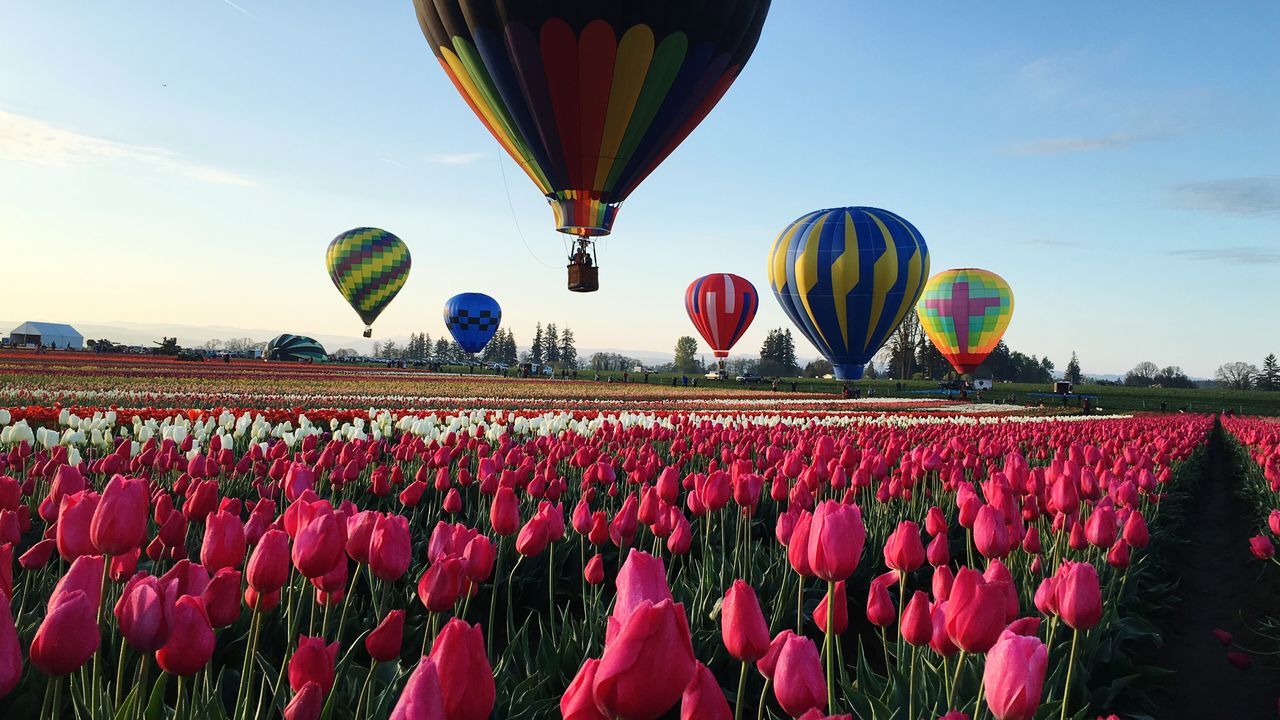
(368, 266)
(847, 277)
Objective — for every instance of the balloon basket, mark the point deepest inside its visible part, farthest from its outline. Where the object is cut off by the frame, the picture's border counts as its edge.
(584, 278)
(368, 332)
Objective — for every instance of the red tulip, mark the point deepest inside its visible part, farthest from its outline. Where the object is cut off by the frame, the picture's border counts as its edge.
(504, 513)
(1079, 599)
(221, 598)
(268, 566)
(421, 698)
(75, 515)
(359, 531)
(769, 663)
(975, 611)
(990, 535)
(10, 649)
(85, 575)
(1135, 530)
(840, 614)
(224, 542)
(478, 558)
(385, 641)
(1013, 679)
(798, 544)
(798, 683)
(143, 613)
(120, 521)
(390, 547)
(466, 679)
(941, 642)
(38, 554)
(903, 551)
(641, 578)
(934, 521)
(319, 543)
(1239, 660)
(1223, 636)
(939, 552)
(880, 609)
(742, 623)
(1262, 547)
(648, 664)
(593, 573)
(703, 699)
(261, 602)
(836, 537)
(917, 620)
(1100, 529)
(185, 578)
(191, 639)
(313, 662)
(68, 636)
(533, 537)
(307, 704)
(579, 700)
(441, 584)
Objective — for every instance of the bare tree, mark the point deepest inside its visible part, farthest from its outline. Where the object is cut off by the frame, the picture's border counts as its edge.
(1237, 375)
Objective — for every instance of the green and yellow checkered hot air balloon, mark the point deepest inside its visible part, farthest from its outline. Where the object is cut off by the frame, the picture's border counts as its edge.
(368, 266)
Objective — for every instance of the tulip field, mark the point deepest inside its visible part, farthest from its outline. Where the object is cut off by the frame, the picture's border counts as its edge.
(248, 542)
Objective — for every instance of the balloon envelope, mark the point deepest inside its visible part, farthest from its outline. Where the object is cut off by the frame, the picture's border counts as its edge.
(965, 312)
(721, 306)
(589, 96)
(368, 266)
(294, 348)
(847, 277)
(472, 319)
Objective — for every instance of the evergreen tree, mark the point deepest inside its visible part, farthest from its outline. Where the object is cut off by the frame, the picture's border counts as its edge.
(442, 349)
(551, 344)
(568, 353)
(1073, 369)
(535, 352)
(1269, 377)
(778, 354)
(510, 355)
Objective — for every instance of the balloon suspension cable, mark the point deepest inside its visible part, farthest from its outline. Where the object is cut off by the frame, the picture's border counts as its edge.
(515, 219)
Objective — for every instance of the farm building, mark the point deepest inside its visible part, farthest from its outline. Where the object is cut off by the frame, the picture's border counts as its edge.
(53, 335)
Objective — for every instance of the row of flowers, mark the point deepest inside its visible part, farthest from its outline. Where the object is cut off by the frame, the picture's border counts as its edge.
(613, 565)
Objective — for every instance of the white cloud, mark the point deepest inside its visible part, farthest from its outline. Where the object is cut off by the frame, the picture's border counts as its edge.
(1248, 196)
(1238, 255)
(30, 140)
(456, 158)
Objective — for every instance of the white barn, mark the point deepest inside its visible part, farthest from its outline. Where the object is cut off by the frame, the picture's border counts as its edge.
(59, 335)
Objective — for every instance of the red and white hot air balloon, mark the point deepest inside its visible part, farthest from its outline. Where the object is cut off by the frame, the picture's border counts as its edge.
(721, 306)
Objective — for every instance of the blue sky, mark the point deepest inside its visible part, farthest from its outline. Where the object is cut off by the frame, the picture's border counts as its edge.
(1118, 164)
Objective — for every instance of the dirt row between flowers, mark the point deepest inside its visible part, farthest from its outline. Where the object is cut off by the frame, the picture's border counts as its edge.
(1218, 586)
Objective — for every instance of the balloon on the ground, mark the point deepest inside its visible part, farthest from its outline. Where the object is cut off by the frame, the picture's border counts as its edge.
(294, 348)
(721, 306)
(964, 312)
(472, 319)
(847, 277)
(588, 96)
(368, 266)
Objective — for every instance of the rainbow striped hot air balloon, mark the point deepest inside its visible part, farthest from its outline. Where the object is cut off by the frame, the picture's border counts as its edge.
(965, 312)
(368, 266)
(590, 96)
(847, 277)
(721, 306)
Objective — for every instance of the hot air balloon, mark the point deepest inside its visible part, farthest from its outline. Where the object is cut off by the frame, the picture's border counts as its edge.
(721, 306)
(847, 277)
(965, 312)
(472, 319)
(587, 96)
(368, 266)
(294, 348)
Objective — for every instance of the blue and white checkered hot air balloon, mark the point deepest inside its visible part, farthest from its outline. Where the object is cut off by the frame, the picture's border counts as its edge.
(847, 277)
(472, 319)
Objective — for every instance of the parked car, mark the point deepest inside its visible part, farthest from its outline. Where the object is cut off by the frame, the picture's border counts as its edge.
(717, 375)
(749, 378)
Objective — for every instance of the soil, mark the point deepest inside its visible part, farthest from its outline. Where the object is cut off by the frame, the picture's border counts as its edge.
(1220, 585)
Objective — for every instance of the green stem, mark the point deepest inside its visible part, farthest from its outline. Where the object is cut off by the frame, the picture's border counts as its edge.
(742, 686)
(1071, 661)
(831, 656)
(764, 697)
(955, 680)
